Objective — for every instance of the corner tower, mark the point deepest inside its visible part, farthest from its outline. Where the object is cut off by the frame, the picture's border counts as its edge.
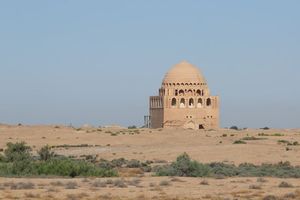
(184, 101)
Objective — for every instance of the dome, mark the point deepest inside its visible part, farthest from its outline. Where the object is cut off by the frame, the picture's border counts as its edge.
(184, 72)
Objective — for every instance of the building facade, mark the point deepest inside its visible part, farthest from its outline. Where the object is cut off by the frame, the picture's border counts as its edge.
(184, 101)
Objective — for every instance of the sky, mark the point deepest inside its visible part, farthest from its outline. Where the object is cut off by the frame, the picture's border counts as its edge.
(97, 62)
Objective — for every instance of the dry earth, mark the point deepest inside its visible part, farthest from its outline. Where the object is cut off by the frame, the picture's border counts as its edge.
(159, 145)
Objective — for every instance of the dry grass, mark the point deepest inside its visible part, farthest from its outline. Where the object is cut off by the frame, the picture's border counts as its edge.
(71, 185)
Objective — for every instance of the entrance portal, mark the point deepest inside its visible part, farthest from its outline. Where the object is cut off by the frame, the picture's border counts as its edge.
(201, 126)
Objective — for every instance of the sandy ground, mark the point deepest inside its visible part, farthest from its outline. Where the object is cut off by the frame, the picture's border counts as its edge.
(151, 188)
(159, 144)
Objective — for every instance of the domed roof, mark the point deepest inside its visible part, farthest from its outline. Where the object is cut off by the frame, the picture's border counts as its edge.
(184, 72)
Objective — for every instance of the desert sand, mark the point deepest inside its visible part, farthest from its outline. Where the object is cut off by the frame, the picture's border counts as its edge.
(161, 145)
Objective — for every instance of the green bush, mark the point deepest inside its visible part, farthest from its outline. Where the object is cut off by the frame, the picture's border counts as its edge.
(17, 152)
(184, 166)
(45, 153)
(234, 128)
(2, 158)
(132, 127)
(133, 164)
(239, 142)
(17, 161)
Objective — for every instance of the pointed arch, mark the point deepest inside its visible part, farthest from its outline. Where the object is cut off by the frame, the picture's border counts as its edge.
(191, 103)
(174, 103)
(208, 102)
(199, 103)
(181, 92)
(182, 103)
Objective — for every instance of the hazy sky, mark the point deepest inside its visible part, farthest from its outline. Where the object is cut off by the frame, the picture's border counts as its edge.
(97, 62)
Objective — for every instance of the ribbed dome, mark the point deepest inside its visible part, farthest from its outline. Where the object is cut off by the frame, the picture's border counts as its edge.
(184, 72)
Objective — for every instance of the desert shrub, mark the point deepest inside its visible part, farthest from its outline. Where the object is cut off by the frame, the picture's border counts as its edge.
(133, 164)
(2, 158)
(222, 169)
(277, 134)
(204, 182)
(164, 183)
(109, 182)
(120, 183)
(147, 168)
(152, 184)
(261, 180)
(284, 184)
(18, 162)
(184, 166)
(71, 185)
(239, 142)
(255, 187)
(72, 168)
(134, 182)
(234, 128)
(17, 152)
(99, 183)
(283, 141)
(119, 162)
(270, 197)
(57, 183)
(45, 153)
(22, 186)
(132, 127)
(175, 179)
(105, 164)
(253, 138)
(290, 196)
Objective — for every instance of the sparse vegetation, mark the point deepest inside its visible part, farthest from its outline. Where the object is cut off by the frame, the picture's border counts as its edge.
(184, 166)
(234, 128)
(164, 183)
(253, 138)
(45, 153)
(261, 180)
(132, 127)
(270, 197)
(284, 184)
(17, 161)
(295, 143)
(255, 187)
(274, 134)
(71, 185)
(239, 142)
(204, 182)
(22, 186)
(120, 183)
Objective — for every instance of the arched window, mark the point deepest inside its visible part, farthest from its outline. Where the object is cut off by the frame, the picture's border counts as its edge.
(200, 103)
(208, 102)
(202, 92)
(190, 92)
(173, 103)
(182, 103)
(176, 92)
(181, 92)
(191, 103)
(198, 92)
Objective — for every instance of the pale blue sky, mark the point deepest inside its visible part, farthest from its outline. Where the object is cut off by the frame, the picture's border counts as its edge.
(97, 62)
